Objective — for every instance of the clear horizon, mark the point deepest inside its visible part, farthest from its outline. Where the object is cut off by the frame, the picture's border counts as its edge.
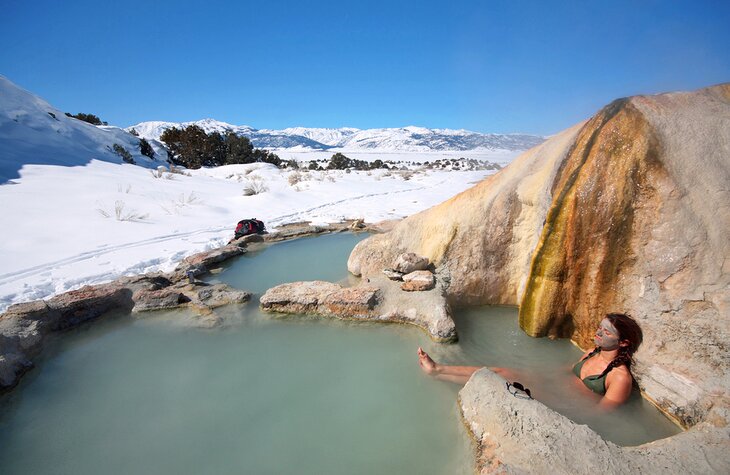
(491, 67)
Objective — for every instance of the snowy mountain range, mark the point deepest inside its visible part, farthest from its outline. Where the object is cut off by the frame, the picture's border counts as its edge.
(32, 131)
(404, 139)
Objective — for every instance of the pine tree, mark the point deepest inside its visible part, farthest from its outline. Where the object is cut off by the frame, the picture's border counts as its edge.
(145, 148)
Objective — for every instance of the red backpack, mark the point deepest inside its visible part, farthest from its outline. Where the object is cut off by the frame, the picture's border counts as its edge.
(249, 226)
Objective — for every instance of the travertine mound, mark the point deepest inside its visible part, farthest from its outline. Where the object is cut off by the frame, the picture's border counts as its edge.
(627, 212)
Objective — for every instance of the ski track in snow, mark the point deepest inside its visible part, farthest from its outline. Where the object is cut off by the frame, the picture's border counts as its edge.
(106, 249)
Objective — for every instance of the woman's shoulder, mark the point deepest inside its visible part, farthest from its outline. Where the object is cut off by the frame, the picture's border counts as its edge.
(619, 374)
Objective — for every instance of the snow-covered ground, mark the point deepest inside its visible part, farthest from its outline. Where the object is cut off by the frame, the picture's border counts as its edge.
(73, 213)
(67, 226)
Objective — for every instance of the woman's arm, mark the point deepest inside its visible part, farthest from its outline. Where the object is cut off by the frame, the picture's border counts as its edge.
(618, 388)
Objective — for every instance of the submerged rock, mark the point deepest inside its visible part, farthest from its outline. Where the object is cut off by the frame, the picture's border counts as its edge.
(12, 366)
(217, 295)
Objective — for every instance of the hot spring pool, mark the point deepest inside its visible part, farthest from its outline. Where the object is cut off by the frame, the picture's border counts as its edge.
(275, 395)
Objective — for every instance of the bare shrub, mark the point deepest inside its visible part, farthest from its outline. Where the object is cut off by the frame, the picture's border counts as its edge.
(190, 199)
(294, 178)
(121, 215)
(161, 172)
(255, 186)
(178, 170)
(182, 201)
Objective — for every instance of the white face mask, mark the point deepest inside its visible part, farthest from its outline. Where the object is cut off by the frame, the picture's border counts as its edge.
(607, 337)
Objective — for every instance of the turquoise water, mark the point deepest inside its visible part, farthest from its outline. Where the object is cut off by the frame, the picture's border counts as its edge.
(259, 395)
(272, 395)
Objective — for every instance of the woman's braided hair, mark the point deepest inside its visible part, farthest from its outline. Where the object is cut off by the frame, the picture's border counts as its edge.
(628, 332)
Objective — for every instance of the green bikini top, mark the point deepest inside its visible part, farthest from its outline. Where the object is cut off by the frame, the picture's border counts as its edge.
(595, 382)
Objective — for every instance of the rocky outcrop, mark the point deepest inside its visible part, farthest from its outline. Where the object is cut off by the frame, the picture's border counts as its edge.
(377, 299)
(517, 435)
(627, 212)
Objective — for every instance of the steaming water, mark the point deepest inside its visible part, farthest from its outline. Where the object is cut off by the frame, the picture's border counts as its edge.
(274, 395)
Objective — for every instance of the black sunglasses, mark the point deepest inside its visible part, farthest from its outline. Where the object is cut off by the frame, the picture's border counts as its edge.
(520, 391)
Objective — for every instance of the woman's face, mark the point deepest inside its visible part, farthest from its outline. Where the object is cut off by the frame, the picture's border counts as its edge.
(607, 337)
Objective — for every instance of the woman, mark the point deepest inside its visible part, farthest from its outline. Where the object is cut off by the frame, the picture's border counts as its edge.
(605, 370)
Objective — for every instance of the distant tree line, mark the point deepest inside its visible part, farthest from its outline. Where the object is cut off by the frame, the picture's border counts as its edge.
(193, 148)
(90, 118)
(341, 162)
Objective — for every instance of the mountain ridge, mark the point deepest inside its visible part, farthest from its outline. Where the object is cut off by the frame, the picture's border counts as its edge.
(410, 138)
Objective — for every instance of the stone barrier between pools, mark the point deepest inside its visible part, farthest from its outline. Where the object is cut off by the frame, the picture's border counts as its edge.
(25, 326)
(408, 293)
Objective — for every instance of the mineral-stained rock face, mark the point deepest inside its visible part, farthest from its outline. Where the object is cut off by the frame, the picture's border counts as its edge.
(627, 212)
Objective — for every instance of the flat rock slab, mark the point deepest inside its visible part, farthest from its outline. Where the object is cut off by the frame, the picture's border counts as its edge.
(517, 435)
(321, 298)
(378, 299)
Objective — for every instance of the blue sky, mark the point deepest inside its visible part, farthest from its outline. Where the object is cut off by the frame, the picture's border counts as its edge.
(489, 66)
